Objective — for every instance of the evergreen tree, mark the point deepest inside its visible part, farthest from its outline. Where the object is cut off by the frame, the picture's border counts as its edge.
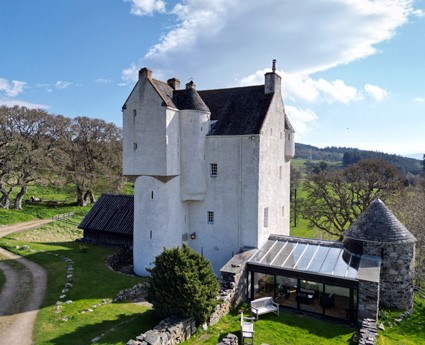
(182, 283)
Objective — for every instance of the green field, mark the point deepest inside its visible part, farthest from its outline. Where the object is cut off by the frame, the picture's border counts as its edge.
(93, 282)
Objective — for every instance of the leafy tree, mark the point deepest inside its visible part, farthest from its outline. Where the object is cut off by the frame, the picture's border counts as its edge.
(335, 199)
(182, 283)
(93, 157)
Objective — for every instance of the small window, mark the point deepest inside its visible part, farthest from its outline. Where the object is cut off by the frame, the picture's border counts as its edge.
(283, 211)
(214, 169)
(271, 131)
(134, 116)
(280, 172)
(266, 217)
(134, 146)
(210, 217)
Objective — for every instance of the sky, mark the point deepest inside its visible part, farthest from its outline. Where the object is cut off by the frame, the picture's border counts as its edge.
(353, 72)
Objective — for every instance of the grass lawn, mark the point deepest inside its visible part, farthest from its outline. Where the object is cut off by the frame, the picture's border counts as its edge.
(411, 331)
(287, 328)
(65, 196)
(92, 282)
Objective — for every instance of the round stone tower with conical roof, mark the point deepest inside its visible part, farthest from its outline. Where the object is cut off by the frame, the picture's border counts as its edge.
(377, 232)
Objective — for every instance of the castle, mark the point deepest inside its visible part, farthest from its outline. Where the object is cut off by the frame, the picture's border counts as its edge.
(211, 167)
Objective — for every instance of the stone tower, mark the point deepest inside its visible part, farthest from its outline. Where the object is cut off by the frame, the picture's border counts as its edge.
(377, 232)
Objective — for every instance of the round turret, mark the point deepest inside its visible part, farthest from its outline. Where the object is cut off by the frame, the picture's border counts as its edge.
(377, 232)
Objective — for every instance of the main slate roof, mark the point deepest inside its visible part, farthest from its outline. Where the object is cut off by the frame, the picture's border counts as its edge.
(112, 213)
(238, 111)
(378, 224)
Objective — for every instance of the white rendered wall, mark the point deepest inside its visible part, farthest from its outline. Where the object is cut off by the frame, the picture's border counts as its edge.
(231, 195)
(274, 174)
(149, 128)
(194, 126)
(160, 219)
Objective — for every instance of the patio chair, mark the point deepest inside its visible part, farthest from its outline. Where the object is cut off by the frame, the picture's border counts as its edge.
(247, 330)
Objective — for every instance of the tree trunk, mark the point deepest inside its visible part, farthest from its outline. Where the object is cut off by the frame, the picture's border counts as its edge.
(5, 197)
(5, 201)
(20, 197)
(88, 196)
(80, 197)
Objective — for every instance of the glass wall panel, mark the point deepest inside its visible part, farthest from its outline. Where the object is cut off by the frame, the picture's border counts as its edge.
(336, 302)
(308, 296)
(286, 291)
(263, 285)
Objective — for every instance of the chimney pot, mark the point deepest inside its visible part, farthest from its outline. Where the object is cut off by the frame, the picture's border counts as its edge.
(274, 65)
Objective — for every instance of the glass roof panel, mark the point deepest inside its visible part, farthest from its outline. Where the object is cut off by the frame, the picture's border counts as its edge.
(341, 266)
(306, 257)
(318, 259)
(262, 251)
(294, 257)
(284, 253)
(302, 255)
(330, 261)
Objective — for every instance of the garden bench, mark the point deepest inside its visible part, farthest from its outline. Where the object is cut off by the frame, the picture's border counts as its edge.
(264, 305)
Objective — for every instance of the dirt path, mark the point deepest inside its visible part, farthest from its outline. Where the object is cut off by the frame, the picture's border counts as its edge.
(22, 293)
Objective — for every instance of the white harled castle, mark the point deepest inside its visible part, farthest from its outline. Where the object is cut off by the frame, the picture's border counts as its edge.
(211, 167)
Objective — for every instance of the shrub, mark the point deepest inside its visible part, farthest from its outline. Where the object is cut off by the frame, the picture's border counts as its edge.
(182, 283)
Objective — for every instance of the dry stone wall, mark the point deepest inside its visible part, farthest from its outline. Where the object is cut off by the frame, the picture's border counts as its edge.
(397, 273)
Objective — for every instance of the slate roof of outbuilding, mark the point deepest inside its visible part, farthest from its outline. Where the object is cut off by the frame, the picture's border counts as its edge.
(113, 213)
(378, 224)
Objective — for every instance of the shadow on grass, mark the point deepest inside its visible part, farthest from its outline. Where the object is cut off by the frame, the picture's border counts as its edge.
(107, 331)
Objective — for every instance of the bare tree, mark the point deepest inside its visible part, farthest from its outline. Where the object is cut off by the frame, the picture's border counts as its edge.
(410, 210)
(335, 199)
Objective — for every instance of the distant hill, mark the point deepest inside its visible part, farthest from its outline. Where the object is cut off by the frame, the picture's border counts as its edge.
(348, 155)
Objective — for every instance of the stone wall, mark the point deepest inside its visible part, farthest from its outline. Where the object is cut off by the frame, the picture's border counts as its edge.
(397, 273)
(170, 331)
(368, 300)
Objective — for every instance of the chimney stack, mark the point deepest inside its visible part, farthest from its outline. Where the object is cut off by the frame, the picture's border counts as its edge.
(174, 83)
(190, 85)
(272, 80)
(145, 73)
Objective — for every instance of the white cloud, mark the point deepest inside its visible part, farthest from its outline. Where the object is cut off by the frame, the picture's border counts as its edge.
(301, 119)
(419, 99)
(300, 87)
(62, 84)
(376, 92)
(234, 38)
(12, 89)
(102, 81)
(146, 7)
(130, 74)
(13, 102)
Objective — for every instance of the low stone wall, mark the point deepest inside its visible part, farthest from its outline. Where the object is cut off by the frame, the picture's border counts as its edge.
(368, 333)
(230, 339)
(170, 331)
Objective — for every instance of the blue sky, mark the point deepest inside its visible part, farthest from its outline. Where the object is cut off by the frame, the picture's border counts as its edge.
(353, 71)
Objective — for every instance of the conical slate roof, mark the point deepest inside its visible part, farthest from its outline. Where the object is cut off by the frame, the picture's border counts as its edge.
(189, 99)
(378, 224)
